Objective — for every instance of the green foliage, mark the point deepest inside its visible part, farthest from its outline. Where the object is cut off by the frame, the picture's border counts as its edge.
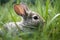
(51, 14)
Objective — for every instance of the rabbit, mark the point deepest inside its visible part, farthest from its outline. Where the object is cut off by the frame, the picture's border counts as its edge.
(30, 20)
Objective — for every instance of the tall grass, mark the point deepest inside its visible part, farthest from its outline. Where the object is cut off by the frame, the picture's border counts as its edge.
(50, 13)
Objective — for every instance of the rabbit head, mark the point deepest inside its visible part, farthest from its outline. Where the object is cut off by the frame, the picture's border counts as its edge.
(30, 18)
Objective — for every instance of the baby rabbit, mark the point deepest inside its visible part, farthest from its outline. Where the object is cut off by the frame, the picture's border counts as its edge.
(31, 20)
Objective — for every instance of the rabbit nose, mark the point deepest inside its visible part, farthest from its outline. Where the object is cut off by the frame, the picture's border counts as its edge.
(43, 21)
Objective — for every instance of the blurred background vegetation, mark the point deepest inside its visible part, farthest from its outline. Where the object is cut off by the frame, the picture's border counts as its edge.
(48, 9)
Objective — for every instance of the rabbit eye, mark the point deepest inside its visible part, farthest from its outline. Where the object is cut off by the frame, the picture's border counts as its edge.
(35, 17)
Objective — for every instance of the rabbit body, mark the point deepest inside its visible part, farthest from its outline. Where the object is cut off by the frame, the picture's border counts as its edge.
(31, 20)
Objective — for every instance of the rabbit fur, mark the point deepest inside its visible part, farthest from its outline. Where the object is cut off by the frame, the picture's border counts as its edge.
(30, 20)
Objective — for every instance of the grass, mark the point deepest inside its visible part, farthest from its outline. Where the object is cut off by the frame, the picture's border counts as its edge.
(51, 14)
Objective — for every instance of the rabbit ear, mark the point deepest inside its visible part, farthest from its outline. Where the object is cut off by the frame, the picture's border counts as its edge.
(20, 9)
